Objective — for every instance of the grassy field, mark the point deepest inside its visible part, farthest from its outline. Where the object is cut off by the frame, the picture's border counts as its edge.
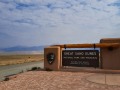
(17, 59)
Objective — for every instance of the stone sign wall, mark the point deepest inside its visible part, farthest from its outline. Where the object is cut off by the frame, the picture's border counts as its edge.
(110, 57)
(55, 57)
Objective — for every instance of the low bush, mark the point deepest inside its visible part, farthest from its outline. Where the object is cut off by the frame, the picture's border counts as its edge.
(35, 68)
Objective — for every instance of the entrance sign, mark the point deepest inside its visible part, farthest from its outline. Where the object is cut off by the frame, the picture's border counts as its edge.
(80, 58)
(57, 56)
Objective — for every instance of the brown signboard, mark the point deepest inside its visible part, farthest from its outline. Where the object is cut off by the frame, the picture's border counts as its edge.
(80, 58)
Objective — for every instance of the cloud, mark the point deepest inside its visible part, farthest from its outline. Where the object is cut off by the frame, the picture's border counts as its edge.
(23, 6)
(115, 4)
(42, 22)
(6, 40)
(25, 20)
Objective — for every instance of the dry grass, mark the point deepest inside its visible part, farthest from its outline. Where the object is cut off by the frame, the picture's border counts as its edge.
(17, 59)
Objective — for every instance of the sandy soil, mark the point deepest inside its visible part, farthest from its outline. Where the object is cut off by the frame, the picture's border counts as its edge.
(18, 59)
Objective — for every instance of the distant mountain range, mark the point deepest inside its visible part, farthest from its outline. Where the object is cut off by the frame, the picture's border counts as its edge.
(23, 48)
(35, 48)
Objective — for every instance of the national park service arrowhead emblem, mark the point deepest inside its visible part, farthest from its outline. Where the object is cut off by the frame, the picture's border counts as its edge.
(50, 58)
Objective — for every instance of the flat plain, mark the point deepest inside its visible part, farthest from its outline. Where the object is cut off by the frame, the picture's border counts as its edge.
(20, 58)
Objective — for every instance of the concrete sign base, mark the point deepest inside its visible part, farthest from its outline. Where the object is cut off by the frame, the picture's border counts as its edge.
(52, 58)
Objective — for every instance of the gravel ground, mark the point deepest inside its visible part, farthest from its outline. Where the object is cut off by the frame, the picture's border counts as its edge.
(53, 80)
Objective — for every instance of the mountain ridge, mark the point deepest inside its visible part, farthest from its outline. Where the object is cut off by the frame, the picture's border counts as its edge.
(23, 48)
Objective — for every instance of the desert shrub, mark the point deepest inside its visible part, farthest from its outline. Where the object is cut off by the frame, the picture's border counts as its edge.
(34, 68)
(6, 79)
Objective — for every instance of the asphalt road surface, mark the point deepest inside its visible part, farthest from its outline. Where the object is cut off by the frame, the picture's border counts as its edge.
(17, 68)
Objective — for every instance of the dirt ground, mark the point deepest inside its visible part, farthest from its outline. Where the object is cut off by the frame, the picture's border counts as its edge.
(17, 59)
(53, 80)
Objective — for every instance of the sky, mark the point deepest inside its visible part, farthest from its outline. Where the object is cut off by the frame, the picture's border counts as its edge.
(48, 22)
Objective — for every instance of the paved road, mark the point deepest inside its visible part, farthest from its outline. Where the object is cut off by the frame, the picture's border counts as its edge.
(14, 69)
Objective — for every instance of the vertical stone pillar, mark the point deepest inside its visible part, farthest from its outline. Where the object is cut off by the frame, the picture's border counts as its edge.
(52, 58)
(110, 57)
(61, 49)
